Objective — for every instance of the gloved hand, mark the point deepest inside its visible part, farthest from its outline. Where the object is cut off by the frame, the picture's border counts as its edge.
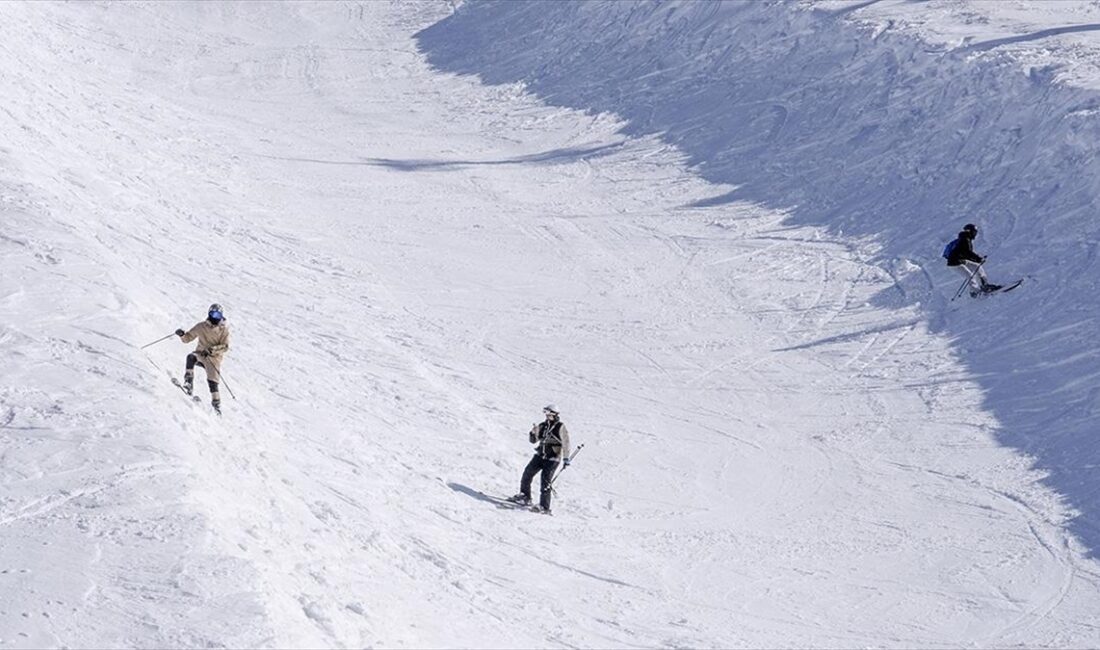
(201, 354)
(180, 332)
(566, 462)
(982, 258)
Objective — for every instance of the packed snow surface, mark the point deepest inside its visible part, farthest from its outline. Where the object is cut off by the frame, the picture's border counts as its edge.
(708, 232)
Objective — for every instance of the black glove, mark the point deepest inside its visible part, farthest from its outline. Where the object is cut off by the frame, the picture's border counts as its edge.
(180, 333)
(566, 462)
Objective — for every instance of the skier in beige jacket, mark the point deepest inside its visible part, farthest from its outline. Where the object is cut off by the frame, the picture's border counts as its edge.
(213, 337)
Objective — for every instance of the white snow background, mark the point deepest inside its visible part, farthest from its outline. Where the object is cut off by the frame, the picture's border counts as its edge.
(709, 232)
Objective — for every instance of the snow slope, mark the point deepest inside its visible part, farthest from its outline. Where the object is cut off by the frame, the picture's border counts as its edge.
(790, 437)
(838, 114)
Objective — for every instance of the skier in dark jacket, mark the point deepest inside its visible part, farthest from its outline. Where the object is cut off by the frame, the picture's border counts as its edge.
(551, 440)
(968, 263)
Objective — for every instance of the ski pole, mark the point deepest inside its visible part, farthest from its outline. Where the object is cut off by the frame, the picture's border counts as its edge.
(550, 485)
(221, 378)
(157, 341)
(968, 280)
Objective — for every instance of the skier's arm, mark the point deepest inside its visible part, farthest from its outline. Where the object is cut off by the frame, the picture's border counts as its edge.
(191, 334)
(220, 348)
(563, 433)
(534, 434)
(967, 251)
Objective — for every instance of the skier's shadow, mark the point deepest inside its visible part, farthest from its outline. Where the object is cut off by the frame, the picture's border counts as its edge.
(481, 496)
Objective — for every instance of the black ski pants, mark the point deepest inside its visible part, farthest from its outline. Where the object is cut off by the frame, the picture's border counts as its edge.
(193, 361)
(547, 467)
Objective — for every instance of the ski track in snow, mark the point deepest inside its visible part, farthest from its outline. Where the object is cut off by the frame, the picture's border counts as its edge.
(778, 453)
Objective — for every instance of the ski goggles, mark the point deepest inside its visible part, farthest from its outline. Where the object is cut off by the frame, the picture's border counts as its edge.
(214, 315)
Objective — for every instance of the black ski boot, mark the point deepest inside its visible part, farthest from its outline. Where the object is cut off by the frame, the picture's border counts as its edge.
(217, 404)
(187, 386)
(521, 498)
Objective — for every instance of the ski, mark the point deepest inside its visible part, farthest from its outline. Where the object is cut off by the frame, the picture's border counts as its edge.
(509, 503)
(516, 504)
(194, 398)
(501, 503)
(1005, 289)
(178, 384)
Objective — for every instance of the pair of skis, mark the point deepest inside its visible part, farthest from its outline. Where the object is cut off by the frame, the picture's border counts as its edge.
(195, 398)
(1004, 289)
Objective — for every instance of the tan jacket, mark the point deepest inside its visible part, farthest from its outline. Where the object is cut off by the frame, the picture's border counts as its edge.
(552, 439)
(213, 340)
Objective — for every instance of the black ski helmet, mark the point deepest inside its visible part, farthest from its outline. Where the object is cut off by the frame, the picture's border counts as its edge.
(214, 314)
(970, 228)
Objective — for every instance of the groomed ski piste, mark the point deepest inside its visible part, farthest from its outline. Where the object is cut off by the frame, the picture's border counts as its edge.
(710, 233)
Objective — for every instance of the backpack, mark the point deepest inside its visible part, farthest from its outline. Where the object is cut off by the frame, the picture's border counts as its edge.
(550, 437)
(950, 248)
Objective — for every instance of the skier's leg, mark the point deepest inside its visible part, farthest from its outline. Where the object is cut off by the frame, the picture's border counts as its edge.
(189, 372)
(213, 377)
(966, 269)
(548, 467)
(981, 275)
(529, 474)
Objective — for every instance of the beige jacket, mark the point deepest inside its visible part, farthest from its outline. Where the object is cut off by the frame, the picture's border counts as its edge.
(213, 340)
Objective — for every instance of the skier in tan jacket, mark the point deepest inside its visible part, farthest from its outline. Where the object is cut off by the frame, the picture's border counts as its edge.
(213, 337)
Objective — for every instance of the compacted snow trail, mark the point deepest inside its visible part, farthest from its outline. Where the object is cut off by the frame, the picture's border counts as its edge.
(412, 264)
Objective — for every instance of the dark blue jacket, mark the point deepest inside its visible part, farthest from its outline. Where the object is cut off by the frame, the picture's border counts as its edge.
(963, 251)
